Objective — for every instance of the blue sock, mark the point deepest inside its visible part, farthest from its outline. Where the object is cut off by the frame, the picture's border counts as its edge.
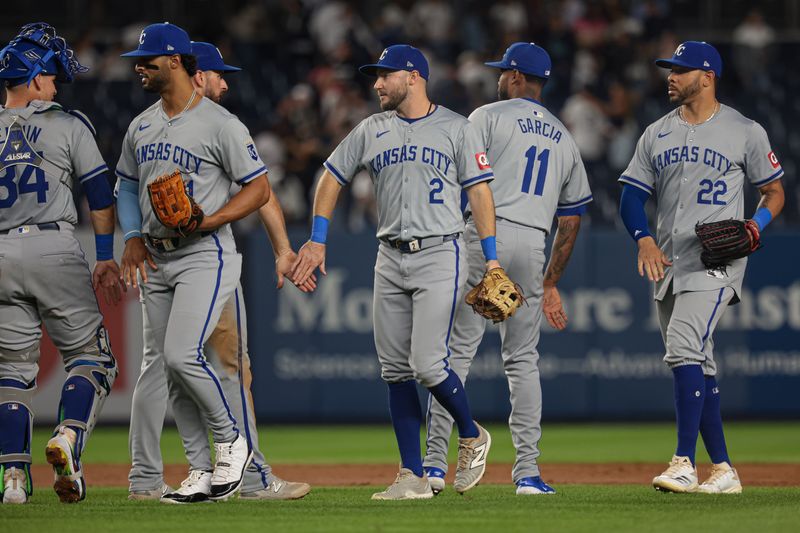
(451, 395)
(15, 426)
(407, 421)
(711, 424)
(690, 391)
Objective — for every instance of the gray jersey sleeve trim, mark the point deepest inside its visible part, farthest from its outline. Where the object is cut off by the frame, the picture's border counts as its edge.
(252, 175)
(336, 174)
(93, 173)
(580, 202)
(775, 176)
(636, 183)
(477, 179)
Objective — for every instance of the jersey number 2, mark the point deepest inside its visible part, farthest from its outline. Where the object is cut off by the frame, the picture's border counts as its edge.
(438, 186)
(544, 158)
(38, 185)
(711, 191)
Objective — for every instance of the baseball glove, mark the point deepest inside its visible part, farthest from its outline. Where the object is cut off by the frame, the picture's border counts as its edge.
(496, 297)
(726, 240)
(172, 204)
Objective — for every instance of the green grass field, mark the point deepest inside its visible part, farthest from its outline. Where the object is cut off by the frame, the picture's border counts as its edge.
(490, 507)
(561, 443)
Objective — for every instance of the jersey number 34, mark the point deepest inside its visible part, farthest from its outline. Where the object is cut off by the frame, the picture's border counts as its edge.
(31, 180)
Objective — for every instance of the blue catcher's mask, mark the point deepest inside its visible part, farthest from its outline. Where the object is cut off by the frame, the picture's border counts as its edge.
(37, 49)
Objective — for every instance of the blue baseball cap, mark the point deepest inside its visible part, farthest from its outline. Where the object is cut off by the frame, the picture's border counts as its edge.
(162, 39)
(527, 58)
(210, 58)
(399, 57)
(694, 55)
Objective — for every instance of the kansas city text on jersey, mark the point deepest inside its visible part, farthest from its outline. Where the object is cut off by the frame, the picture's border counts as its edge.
(164, 151)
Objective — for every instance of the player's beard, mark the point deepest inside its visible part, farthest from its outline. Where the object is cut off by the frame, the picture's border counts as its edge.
(502, 90)
(682, 96)
(156, 82)
(394, 98)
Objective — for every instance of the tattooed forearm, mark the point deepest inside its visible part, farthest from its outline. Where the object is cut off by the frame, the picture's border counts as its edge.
(772, 197)
(561, 249)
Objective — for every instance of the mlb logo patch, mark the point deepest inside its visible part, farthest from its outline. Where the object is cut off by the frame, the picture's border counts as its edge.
(483, 161)
(251, 149)
(773, 159)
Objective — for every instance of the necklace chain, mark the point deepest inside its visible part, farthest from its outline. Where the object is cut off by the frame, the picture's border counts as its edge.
(716, 110)
(191, 99)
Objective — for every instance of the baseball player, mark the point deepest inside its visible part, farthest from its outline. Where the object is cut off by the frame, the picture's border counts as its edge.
(196, 273)
(226, 349)
(419, 155)
(539, 174)
(46, 150)
(696, 159)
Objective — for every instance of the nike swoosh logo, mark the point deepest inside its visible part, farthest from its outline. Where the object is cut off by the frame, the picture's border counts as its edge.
(143, 127)
(637, 232)
(660, 135)
(276, 487)
(378, 135)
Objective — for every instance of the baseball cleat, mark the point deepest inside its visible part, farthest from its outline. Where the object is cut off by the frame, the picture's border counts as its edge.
(406, 486)
(435, 478)
(15, 485)
(278, 489)
(681, 476)
(472, 454)
(69, 483)
(533, 485)
(152, 494)
(193, 489)
(723, 480)
(233, 458)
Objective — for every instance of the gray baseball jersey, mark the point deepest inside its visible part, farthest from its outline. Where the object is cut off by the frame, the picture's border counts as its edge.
(37, 194)
(697, 173)
(539, 174)
(212, 149)
(537, 162)
(418, 168)
(208, 144)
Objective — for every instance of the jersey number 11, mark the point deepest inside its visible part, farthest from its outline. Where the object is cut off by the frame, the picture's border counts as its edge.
(544, 158)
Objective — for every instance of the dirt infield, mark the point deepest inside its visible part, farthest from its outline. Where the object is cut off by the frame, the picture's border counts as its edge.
(753, 475)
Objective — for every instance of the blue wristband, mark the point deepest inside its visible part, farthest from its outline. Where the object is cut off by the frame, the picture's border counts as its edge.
(104, 246)
(489, 247)
(762, 217)
(319, 229)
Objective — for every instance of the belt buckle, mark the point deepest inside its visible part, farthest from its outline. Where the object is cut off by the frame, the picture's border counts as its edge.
(414, 246)
(23, 229)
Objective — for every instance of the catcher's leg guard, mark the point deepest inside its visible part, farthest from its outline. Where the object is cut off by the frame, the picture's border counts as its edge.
(91, 372)
(16, 421)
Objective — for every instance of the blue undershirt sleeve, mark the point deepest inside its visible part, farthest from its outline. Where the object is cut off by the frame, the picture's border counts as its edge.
(631, 210)
(128, 210)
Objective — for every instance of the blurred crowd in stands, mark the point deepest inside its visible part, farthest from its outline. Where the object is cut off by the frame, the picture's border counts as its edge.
(300, 92)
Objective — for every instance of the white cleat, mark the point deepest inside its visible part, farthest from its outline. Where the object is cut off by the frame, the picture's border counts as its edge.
(472, 454)
(193, 489)
(15, 486)
(233, 458)
(406, 486)
(681, 476)
(723, 480)
(149, 495)
(69, 483)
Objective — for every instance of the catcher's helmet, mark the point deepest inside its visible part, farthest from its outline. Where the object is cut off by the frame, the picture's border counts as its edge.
(37, 49)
